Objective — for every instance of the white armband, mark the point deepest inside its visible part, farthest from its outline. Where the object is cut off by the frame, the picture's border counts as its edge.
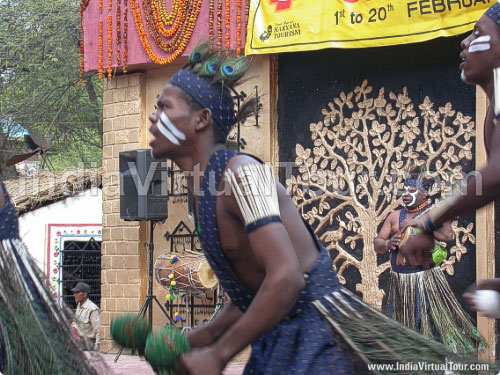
(254, 188)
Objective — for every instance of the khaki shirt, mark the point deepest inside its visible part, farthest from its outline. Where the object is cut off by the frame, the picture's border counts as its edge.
(88, 322)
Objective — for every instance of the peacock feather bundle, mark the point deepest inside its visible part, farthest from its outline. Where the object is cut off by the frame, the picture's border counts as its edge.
(222, 68)
(164, 348)
(377, 339)
(130, 331)
(36, 336)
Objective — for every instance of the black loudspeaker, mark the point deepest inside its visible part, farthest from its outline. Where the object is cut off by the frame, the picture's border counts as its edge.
(143, 186)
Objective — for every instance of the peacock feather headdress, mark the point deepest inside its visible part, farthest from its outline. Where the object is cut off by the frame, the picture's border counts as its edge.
(210, 78)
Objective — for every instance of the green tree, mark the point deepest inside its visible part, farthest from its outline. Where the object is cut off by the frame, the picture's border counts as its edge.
(39, 88)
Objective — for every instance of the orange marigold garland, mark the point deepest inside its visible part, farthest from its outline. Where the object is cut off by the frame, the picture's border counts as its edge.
(211, 23)
(110, 47)
(238, 29)
(219, 25)
(125, 36)
(118, 32)
(83, 5)
(247, 13)
(156, 20)
(168, 18)
(99, 59)
(228, 25)
(187, 30)
(154, 31)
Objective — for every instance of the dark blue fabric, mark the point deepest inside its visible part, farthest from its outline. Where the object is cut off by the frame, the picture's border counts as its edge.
(302, 342)
(394, 254)
(9, 227)
(261, 222)
(415, 183)
(208, 95)
(494, 13)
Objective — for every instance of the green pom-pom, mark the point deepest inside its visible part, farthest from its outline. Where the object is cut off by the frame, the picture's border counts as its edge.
(439, 254)
(164, 348)
(130, 331)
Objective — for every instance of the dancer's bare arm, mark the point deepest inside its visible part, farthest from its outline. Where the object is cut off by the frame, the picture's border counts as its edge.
(384, 242)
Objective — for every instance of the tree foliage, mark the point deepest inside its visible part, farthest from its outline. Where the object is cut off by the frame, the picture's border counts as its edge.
(39, 88)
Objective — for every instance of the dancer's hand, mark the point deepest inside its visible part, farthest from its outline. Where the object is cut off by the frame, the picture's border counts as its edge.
(199, 338)
(409, 223)
(199, 362)
(417, 249)
(490, 284)
(392, 243)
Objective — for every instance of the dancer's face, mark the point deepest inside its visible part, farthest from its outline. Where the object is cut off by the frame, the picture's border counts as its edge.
(412, 197)
(480, 52)
(172, 124)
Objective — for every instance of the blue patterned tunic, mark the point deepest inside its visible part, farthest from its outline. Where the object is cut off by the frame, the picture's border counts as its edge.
(302, 343)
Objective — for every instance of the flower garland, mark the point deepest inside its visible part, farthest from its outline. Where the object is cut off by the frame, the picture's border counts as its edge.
(168, 18)
(110, 46)
(83, 5)
(152, 10)
(99, 43)
(228, 25)
(187, 30)
(219, 25)
(155, 34)
(110, 38)
(238, 29)
(99, 59)
(125, 36)
(247, 12)
(211, 23)
(118, 32)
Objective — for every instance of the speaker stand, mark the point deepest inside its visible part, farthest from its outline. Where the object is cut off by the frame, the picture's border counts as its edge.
(147, 306)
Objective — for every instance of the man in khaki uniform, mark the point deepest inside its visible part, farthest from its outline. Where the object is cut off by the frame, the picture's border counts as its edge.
(87, 317)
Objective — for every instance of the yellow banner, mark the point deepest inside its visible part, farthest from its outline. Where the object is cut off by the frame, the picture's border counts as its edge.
(299, 25)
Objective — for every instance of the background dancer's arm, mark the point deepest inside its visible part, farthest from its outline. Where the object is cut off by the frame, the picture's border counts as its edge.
(444, 233)
(487, 189)
(208, 333)
(384, 242)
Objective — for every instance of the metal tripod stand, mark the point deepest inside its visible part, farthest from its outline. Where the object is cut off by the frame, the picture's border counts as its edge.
(147, 306)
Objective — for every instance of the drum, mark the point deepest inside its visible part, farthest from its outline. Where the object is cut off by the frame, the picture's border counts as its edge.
(189, 271)
(416, 239)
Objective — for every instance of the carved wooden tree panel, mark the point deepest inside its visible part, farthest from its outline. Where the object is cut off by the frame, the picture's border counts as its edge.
(354, 174)
(362, 134)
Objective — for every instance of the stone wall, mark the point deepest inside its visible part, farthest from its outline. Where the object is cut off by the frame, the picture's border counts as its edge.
(123, 256)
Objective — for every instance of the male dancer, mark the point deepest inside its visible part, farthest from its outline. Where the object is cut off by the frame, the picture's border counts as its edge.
(279, 278)
(265, 257)
(419, 297)
(480, 56)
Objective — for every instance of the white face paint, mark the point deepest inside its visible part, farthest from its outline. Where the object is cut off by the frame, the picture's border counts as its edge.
(480, 44)
(413, 196)
(169, 130)
(462, 76)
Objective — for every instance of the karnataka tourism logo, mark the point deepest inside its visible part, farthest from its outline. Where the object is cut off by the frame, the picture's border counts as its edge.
(282, 4)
